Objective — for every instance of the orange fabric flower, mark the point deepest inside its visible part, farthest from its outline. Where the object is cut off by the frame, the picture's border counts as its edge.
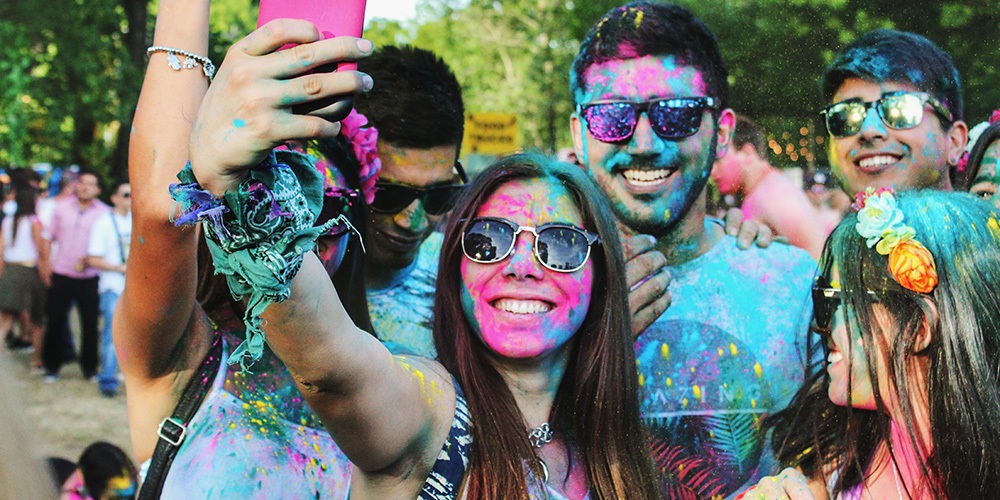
(913, 266)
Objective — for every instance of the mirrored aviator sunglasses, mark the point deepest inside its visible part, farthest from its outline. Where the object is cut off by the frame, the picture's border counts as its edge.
(560, 247)
(898, 110)
(674, 118)
(393, 198)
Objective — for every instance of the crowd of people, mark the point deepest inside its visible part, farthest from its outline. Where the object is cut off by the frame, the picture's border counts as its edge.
(320, 303)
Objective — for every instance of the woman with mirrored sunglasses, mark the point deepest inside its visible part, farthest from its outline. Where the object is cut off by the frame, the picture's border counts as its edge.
(905, 403)
(535, 390)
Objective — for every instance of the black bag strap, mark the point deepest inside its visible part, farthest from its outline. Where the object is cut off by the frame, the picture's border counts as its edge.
(173, 429)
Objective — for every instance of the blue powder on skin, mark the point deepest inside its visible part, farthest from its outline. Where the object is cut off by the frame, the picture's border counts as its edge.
(239, 123)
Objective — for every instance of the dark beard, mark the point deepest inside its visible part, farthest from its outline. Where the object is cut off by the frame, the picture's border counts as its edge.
(660, 228)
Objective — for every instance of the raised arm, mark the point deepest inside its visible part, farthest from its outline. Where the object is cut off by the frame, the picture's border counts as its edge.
(158, 304)
(157, 332)
(389, 415)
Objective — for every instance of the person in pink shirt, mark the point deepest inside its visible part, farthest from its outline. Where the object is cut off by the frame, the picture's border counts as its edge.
(72, 280)
(769, 197)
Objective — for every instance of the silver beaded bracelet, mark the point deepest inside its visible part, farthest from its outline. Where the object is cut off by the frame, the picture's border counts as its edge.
(190, 60)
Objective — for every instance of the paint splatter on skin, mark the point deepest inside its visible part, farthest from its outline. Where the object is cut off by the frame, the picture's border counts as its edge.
(239, 123)
(495, 296)
(393, 240)
(647, 177)
(881, 156)
(988, 178)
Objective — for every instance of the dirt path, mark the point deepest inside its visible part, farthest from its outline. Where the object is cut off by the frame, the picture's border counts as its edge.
(69, 414)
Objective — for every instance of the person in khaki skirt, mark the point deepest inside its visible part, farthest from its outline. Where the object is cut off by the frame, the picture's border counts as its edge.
(24, 273)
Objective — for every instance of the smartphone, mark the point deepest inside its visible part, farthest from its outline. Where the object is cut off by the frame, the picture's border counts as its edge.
(331, 17)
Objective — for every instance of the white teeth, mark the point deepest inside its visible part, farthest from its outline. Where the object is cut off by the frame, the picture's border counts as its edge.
(834, 357)
(522, 306)
(876, 161)
(646, 177)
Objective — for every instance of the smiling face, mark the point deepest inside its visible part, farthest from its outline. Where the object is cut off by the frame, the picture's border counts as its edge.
(394, 239)
(880, 156)
(651, 181)
(517, 307)
(986, 181)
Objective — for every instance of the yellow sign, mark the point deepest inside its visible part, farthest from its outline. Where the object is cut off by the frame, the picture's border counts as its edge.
(490, 133)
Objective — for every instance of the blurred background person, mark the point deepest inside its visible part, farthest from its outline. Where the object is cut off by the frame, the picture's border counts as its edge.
(72, 280)
(108, 251)
(769, 197)
(24, 270)
(104, 472)
(830, 201)
(979, 169)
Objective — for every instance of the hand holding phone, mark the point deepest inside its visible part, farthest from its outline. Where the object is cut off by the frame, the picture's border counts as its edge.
(331, 17)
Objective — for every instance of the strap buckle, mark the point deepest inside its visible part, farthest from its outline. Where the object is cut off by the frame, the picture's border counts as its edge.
(172, 431)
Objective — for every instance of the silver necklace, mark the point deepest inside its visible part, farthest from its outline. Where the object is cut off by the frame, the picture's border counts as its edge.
(539, 436)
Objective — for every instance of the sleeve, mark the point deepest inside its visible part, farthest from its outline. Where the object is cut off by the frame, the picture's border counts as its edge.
(98, 245)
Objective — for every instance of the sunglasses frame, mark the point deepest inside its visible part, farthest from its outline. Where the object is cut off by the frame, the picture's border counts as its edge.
(831, 298)
(706, 103)
(924, 97)
(421, 192)
(592, 239)
(346, 194)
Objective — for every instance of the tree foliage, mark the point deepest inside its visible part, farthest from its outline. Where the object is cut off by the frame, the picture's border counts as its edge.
(69, 76)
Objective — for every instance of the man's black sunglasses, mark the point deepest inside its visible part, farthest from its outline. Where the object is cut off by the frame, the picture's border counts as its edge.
(393, 198)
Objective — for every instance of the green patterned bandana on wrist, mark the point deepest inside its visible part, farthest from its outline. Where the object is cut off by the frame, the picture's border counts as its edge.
(258, 233)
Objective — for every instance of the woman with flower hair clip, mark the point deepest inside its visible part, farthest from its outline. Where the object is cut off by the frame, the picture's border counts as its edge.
(214, 414)
(906, 402)
(981, 163)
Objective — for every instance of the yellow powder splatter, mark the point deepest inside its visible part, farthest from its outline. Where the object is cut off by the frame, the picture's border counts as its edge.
(753, 403)
(994, 228)
(692, 369)
(697, 392)
(642, 379)
(638, 19)
(720, 352)
(733, 349)
(758, 370)
(684, 403)
(670, 382)
(665, 351)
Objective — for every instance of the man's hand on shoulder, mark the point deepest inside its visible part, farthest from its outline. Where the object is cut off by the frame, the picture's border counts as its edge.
(748, 232)
(648, 281)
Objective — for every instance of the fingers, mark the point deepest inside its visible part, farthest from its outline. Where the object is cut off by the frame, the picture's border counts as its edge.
(733, 221)
(648, 280)
(765, 235)
(789, 485)
(653, 297)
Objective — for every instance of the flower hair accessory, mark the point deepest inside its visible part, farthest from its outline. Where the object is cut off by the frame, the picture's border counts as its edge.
(362, 140)
(880, 222)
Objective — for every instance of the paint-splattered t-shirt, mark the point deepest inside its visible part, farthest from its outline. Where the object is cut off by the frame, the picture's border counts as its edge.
(254, 437)
(727, 351)
(403, 313)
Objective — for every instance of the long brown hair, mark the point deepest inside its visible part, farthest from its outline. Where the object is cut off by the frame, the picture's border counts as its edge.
(596, 408)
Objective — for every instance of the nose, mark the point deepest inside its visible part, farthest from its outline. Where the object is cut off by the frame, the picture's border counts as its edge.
(644, 141)
(413, 218)
(521, 263)
(873, 127)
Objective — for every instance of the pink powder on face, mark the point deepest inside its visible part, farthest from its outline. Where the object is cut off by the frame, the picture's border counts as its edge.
(563, 297)
(643, 78)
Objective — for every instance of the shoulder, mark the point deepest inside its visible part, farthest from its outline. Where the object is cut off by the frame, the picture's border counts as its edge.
(788, 265)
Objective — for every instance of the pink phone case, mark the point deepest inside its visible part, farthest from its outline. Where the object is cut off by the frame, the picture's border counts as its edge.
(331, 17)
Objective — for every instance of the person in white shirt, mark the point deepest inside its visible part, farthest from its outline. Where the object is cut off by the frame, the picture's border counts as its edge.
(108, 251)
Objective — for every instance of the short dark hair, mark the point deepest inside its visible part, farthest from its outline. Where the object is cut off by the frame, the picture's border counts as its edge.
(885, 55)
(747, 132)
(100, 463)
(658, 29)
(416, 101)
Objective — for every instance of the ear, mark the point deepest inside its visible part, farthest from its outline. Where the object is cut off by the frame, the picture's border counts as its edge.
(928, 325)
(576, 131)
(727, 123)
(958, 137)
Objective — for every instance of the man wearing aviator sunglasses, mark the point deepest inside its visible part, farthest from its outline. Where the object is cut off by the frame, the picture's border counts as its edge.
(894, 113)
(416, 106)
(651, 90)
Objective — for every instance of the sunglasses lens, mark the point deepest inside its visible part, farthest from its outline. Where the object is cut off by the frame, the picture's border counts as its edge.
(676, 118)
(487, 241)
(441, 199)
(901, 111)
(610, 122)
(391, 198)
(845, 118)
(562, 248)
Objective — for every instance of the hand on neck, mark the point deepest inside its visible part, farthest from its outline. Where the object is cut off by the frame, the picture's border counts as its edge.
(689, 238)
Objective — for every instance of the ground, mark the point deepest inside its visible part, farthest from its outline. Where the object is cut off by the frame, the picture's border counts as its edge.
(69, 414)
